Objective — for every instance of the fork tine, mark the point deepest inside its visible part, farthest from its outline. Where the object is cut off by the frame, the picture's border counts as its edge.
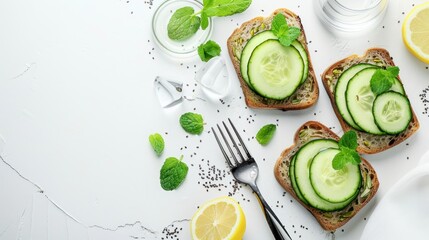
(234, 144)
(228, 146)
(239, 139)
(222, 149)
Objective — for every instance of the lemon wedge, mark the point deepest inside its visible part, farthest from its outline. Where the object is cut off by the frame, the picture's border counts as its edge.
(217, 219)
(415, 31)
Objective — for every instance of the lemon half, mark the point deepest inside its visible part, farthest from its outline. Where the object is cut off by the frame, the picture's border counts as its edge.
(220, 218)
(415, 31)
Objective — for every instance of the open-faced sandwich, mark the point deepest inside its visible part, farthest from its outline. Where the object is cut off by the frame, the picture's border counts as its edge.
(368, 97)
(326, 174)
(272, 62)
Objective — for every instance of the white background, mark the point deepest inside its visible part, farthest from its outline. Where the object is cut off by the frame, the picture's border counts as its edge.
(77, 106)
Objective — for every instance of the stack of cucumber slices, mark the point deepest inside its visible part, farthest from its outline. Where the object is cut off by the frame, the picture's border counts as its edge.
(317, 183)
(386, 113)
(271, 69)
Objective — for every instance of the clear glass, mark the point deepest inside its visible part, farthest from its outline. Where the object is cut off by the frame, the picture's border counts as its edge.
(180, 49)
(214, 78)
(351, 16)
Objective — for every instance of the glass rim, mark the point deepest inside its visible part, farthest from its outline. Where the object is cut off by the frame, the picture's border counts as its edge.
(373, 5)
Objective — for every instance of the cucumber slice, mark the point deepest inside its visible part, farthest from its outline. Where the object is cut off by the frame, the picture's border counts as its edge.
(360, 98)
(293, 180)
(304, 57)
(275, 71)
(340, 92)
(248, 49)
(302, 165)
(330, 184)
(392, 112)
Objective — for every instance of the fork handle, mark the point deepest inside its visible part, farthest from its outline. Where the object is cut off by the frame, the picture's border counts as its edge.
(277, 228)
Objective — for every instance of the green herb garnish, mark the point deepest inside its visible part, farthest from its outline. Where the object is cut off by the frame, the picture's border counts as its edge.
(383, 79)
(285, 33)
(348, 154)
(173, 173)
(208, 50)
(204, 21)
(222, 8)
(185, 22)
(192, 123)
(265, 134)
(157, 143)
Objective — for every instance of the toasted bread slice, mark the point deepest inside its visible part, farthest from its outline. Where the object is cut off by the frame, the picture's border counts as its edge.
(305, 96)
(328, 220)
(368, 143)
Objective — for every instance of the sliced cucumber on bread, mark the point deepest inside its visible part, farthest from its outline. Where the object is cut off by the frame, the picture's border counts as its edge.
(348, 84)
(392, 112)
(288, 81)
(305, 171)
(275, 71)
(248, 50)
(313, 173)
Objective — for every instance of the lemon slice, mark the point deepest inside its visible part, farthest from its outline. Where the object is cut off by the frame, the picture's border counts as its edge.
(220, 218)
(415, 31)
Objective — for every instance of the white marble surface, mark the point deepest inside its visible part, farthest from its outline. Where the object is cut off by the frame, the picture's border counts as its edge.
(77, 106)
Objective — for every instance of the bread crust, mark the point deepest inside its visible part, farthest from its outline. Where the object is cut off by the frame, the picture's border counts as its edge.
(368, 143)
(304, 97)
(328, 220)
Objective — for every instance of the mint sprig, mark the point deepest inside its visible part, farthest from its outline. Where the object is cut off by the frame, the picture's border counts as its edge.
(265, 134)
(157, 143)
(208, 50)
(383, 79)
(185, 22)
(173, 173)
(285, 33)
(348, 154)
(192, 123)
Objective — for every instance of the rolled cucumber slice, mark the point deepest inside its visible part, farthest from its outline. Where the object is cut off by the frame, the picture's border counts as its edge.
(332, 185)
(392, 112)
(304, 158)
(248, 49)
(275, 71)
(340, 92)
(360, 98)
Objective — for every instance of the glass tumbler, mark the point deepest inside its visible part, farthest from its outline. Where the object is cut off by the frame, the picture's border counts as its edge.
(351, 16)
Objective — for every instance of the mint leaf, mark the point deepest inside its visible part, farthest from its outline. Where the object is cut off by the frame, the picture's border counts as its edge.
(285, 33)
(383, 79)
(183, 24)
(279, 25)
(344, 157)
(157, 143)
(349, 140)
(339, 161)
(192, 123)
(394, 71)
(293, 32)
(285, 40)
(209, 50)
(348, 144)
(173, 173)
(204, 21)
(265, 134)
(221, 8)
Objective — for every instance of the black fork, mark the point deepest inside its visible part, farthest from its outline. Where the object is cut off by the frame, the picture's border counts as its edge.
(245, 170)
